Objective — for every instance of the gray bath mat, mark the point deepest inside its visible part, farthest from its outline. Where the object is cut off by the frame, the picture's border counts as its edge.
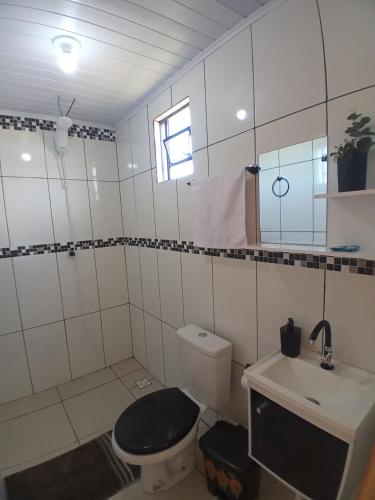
(90, 472)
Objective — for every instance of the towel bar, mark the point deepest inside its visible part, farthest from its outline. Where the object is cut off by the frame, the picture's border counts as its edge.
(253, 169)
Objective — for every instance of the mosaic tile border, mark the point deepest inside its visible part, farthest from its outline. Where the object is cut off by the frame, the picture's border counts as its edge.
(312, 261)
(10, 122)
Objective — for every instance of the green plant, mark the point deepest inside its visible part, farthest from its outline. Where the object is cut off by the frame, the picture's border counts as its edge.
(360, 137)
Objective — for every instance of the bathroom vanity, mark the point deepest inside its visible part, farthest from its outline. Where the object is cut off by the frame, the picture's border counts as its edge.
(312, 428)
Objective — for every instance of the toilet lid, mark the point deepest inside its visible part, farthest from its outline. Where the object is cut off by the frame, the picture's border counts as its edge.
(156, 422)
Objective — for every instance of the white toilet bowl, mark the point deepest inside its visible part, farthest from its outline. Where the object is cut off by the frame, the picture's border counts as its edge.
(163, 469)
(159, 431)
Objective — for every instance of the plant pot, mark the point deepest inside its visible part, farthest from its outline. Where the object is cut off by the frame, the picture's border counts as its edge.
(352, 172)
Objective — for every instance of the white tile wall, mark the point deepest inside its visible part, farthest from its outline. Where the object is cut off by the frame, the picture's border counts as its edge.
(70, 210)
(350, 310)
(166, 208)
(134, 275)
(170, 288)
(347, 71)
(192, 85)
(38, 289)
(140, 142)
(229, 84)
(28, 226)
(231, 155)
(9, 312)
(290, 33)
(14, 145)
(74, 160)
(14, 374)
(155, 108)
(173, 372)
(138, 335)
(235, 306)
(284, 292)
(184, 193)
(197, 290)
(294, 129)
(78, 283)
(124, 153)
(85, 344)
(101, 160)
(47, 353)
(112, 280)
(117, 336)
(144, 205)
(150, 281)
(154, 347)
(105, 209)
(4, 238)
(129, 214)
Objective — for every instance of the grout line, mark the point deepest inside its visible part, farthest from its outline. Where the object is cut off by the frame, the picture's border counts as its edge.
(57, 265)
(70, 422)
(32, 411)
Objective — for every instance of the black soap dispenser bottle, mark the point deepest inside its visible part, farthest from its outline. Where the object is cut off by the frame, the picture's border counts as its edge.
(290, 336)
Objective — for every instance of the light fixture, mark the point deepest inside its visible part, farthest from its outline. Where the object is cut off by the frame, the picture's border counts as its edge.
(67, 49)
(26, 157)
(241, 114)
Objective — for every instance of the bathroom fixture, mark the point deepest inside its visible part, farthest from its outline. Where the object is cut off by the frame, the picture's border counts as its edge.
(313, 429)
(326, 363)
(67, 49)
(159, 431)
(252, 169)
(280, 179)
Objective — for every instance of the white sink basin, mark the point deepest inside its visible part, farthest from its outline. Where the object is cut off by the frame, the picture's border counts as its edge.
(340, 399)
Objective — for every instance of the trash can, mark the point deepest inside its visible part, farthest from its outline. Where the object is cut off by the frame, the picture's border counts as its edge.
(230, 473)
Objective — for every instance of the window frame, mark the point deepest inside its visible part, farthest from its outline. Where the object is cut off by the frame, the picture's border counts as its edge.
(161, 137)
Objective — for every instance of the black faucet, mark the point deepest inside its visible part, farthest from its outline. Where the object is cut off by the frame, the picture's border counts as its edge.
(326, 363)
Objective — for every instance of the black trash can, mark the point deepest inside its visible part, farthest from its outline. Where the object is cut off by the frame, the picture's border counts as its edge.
(230, 473)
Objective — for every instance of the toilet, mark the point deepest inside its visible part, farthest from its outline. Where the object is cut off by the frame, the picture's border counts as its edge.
(159, 431)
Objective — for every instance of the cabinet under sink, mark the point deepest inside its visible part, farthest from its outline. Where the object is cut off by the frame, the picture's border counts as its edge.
(312, 429)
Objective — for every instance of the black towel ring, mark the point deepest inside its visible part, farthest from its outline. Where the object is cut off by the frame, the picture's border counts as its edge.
(279, 179)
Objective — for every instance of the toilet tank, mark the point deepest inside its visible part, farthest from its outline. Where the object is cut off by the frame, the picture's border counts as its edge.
(206, 365)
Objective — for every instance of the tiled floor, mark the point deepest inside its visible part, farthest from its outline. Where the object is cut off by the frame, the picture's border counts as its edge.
(40, 427)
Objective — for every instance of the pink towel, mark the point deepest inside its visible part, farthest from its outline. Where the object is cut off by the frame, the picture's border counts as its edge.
(225, 211)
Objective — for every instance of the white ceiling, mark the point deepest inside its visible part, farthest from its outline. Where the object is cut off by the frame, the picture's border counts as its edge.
(128, 48)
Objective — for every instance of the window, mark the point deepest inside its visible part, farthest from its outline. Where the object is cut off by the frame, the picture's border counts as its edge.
(172, 132)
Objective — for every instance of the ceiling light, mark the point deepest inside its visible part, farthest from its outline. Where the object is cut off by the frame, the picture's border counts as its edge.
(66, 53)
(241, 114)
(26, 157)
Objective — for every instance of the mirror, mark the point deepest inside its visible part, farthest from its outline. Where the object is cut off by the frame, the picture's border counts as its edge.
(289, 178)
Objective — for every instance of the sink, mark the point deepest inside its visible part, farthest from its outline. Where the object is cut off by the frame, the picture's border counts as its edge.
(312, 428)
(341, 398)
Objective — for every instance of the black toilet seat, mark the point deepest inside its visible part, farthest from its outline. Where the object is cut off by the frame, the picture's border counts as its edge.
(155, 422)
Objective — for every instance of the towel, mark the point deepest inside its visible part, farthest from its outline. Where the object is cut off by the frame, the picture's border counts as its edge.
(225, 211)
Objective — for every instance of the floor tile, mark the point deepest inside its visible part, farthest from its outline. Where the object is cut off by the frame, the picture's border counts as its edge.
(85, 383)
(154, 386)
(31, 436)
(28, 404)
(96, 434)
(132, 378)
(267, 481)
(128, 366)
(194, 486)
(97, 409)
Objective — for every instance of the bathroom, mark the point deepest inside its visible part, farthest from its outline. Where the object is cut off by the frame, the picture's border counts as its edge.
(113, 115)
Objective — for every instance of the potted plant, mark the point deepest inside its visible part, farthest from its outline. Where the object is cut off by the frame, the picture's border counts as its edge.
(351, 156)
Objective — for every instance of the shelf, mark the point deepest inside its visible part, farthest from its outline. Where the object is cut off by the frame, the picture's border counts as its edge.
(345, 194)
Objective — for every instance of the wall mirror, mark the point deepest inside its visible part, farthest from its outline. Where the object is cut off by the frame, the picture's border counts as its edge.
(289, 178)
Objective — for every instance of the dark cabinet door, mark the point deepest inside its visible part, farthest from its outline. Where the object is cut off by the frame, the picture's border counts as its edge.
(302, 454)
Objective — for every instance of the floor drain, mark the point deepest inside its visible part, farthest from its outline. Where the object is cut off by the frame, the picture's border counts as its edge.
(313, 400)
